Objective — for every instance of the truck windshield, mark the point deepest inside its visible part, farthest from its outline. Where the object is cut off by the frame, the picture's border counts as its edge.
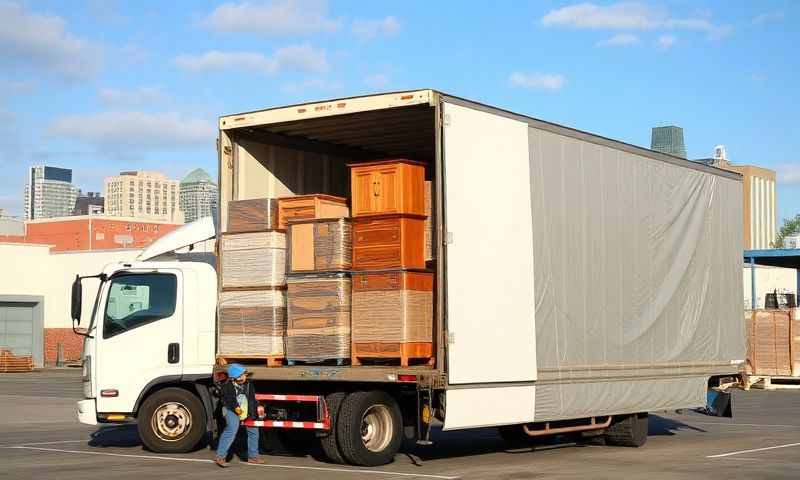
(136, 300)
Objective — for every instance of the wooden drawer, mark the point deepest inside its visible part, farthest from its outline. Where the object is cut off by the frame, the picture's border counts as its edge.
(310, 207)
(388, 187)
(390, 242)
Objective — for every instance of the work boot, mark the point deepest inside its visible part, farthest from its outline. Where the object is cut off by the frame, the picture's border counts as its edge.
(220, 462)
(256, 461)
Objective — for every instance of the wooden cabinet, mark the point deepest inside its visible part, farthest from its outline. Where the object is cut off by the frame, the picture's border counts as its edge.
(310, 206)
(388, 187)
(253, 215)
(320, 245)
(388, 241)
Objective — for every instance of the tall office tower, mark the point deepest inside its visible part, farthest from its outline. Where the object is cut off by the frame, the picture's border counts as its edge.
(198, 197)
(143, 195)
(668, 140)
(49, 192)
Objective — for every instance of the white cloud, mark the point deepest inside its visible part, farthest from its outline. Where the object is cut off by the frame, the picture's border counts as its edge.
(619, 40)
(136, 130)
(378, 80)
(767, 17)
(788, 173)
(134, 97)
(296, 57)
(666, 41)
(273, 18)
(627, 16)
(543, 81)
(314, 84)
(370, 29)
(40, 42)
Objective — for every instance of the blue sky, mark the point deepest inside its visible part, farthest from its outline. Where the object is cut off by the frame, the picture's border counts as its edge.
(104, 86)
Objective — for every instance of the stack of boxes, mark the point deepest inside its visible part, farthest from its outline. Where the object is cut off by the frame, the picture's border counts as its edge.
(392, 316)
(252, 297)
(319, 288)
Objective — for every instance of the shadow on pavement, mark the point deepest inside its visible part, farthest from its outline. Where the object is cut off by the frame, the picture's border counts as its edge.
(116, 436)
(668, 426)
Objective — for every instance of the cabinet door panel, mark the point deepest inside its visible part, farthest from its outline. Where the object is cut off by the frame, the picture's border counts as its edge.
(388, 198)
(363, 186)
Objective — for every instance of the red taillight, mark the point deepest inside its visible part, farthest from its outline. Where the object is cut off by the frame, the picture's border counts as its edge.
(109, 393)
(406, 97)
(407, 379)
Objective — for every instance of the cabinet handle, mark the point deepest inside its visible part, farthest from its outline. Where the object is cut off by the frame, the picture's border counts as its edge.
(376, 188)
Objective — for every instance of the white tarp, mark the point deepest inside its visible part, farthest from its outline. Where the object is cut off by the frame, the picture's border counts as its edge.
(637, 279)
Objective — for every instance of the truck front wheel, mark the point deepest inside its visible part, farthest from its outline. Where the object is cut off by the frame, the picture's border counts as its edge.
(172, 420)
(369, 428)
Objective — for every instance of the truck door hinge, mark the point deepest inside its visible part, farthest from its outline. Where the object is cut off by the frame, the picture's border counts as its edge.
(446, 120)
(451, 338)
(448, 238)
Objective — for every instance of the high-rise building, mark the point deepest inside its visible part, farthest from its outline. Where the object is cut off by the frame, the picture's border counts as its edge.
(198, 196)
(760, 202)
(668, 140)
(49, 192)
(90, 204)
(142, 195)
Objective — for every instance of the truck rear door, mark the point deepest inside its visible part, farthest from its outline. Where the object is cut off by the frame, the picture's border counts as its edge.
(489, 267)
(140, 336)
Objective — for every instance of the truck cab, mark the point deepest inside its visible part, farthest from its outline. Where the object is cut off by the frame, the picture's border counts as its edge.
(151, 329)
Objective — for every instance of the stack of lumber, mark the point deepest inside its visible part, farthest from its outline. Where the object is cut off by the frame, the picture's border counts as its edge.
(10, 363)
(773, 342)
(252, 300)
(392, 316)
(318, 318)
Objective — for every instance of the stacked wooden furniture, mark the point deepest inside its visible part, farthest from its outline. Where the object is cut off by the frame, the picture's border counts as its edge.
(10, 363)
(392, 303)
(320, 255)
(773, 346)
(252, 297)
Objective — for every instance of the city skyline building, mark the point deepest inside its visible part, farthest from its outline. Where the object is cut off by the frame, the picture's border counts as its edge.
(144, 195)
(198, 196)
(669, 140)
(90, 204)
(49, 192)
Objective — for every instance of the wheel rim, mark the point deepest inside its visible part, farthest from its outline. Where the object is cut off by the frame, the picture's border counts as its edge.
(171, 421)
(376, 428)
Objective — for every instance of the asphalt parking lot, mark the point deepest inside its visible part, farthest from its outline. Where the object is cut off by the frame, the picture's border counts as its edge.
(40, 438)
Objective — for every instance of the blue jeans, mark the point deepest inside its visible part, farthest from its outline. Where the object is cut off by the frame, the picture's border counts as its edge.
(229, 434)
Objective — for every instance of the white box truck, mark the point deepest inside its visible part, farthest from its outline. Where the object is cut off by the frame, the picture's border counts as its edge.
(581, 282)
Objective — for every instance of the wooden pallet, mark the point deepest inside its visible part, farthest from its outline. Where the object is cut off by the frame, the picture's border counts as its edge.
(15, 363)
(270, 360)
(421, 352)
(771, 382)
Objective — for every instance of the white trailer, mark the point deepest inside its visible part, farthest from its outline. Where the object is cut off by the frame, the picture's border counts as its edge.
(581, 282)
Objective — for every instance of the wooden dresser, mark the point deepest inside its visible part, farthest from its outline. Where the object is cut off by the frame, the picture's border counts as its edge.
(388, 241)
(309, 207)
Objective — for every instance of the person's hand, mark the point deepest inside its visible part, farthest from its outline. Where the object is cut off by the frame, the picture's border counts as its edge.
(238, 410)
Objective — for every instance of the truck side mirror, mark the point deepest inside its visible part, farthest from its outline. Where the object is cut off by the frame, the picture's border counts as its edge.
(77, 299)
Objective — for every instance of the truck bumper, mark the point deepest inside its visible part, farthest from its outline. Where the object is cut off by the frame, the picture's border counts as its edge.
(87, 411)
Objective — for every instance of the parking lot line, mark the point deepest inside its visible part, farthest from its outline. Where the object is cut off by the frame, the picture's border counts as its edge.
(752, 450)
(44, 443)
(205, 460)
(745, 424)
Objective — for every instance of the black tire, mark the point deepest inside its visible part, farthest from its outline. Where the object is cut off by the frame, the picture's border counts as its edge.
(383, 409)
(181, 405)
(329, 443)
(627, 431)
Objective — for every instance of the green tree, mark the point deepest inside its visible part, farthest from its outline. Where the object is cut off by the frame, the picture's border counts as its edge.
(790, 227)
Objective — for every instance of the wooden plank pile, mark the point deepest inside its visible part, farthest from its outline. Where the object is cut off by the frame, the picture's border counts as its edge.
(10, 363)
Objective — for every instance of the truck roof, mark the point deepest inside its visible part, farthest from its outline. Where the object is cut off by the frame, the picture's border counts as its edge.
(364, 103)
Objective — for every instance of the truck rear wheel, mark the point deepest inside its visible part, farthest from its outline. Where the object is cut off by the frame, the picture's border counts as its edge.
(329, 443)
(369, 428)
(627, 431)
(172, 420)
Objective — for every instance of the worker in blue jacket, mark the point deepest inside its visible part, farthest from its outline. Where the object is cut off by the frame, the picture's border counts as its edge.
(238, 404)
